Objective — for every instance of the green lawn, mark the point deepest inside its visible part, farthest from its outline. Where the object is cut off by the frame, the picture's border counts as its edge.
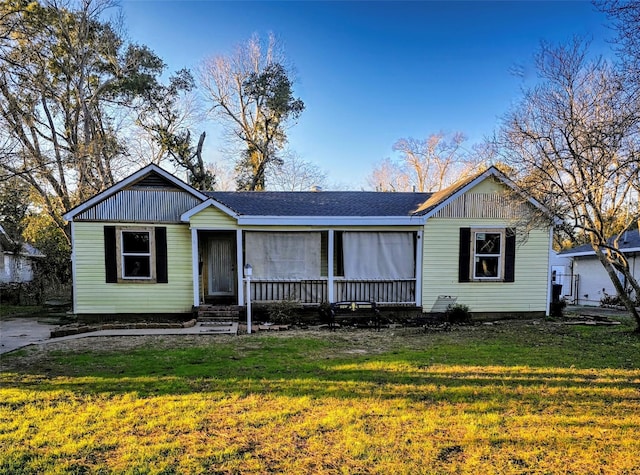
(514, 397)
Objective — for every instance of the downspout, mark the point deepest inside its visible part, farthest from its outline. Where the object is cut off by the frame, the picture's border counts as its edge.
(418, 258)
(74, 278)
(549, 288)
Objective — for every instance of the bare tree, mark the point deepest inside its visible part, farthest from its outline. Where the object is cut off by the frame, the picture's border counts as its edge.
(435, 162)
(625, 15)
(296, 174)
(64, 75)
(251, 93)
(574, 140)
(167, 117)
(429, 164)
(389, 176)
(225, 176)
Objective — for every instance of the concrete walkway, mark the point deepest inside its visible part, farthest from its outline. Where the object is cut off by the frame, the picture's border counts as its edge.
(20, 332)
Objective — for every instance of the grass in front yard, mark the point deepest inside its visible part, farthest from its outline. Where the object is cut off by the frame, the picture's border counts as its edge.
(515, 397)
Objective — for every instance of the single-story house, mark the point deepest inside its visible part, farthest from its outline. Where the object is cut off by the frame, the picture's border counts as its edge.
(17, 260)
(151, 244)
(589, 280)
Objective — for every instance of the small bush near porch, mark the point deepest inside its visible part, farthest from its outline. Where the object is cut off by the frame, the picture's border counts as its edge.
(513, 397)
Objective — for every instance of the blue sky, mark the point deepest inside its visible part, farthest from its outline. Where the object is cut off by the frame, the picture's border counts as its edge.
(370, 72)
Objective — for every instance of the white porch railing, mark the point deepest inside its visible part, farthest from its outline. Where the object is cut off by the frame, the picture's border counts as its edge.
(315, 291)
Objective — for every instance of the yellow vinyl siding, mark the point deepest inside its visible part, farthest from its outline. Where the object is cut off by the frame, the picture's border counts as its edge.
(93, 295)
(440, 270)
(212, 218)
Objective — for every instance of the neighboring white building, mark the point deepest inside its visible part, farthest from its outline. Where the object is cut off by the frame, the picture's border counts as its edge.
(561, 275)
(590, 282)
(16, 261)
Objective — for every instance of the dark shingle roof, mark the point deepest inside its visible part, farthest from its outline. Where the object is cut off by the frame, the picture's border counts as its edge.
(630, 240)
(321, 203)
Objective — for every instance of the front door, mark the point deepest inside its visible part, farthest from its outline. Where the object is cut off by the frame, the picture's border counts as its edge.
(222, 267)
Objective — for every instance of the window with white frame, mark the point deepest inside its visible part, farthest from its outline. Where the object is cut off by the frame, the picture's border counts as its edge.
(136, 250)
(488, 254)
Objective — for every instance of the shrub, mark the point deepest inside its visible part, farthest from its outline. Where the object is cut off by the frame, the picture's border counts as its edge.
(21, 293)
(284, 312)
(610, 300)
(458, 313)
(616, 301)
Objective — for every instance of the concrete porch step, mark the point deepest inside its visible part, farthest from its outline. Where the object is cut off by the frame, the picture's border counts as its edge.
(231, 308)
(218, 315)
(230, 328)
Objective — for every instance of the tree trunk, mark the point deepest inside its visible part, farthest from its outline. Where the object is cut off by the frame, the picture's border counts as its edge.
(622, 292)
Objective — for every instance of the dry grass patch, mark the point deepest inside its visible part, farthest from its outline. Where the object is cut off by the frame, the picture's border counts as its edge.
(519, 397)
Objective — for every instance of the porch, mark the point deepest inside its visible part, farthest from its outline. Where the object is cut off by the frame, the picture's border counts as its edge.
(316, 291)
(309, 267)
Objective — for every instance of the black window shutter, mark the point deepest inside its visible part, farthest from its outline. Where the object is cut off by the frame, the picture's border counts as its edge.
(110, 255)
(162, 276)
(464, 255)
(510, 256)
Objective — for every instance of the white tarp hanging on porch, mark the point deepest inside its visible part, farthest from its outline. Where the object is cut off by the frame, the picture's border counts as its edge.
(383, 255)
(282, 255)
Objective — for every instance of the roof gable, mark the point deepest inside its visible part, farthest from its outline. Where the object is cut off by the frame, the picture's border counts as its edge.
(444, 197)
(152, 180)
(209, 213)
(204, 207)
(151, 176)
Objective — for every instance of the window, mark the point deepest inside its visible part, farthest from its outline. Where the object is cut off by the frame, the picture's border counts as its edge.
(285, 255)
(135, 254)
(487, 255)
(379, 255)
(488, 252)
(135, 250)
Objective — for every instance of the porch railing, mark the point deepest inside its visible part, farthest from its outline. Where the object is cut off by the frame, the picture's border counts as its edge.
(305, 291)
(381, 291)
(315, 291)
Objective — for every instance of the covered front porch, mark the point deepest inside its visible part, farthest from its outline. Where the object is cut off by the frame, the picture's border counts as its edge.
(307, 266)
